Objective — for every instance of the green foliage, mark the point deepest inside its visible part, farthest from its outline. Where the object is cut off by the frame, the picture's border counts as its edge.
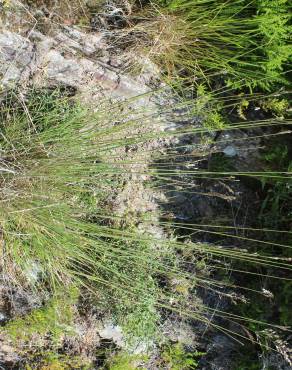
(276, 156)
(55, 319)
(177, 358)
(56, 180)
(241, 108)
(57, 175)
(277, 204)
(214, 121)
(274, 214)
(48, 360)
(133, 306)
(278, 107)
(273, 19)
(209, 109)
(124, 361)
(248, 42)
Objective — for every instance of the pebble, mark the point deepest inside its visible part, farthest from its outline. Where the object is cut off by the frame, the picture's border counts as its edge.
(230, 151)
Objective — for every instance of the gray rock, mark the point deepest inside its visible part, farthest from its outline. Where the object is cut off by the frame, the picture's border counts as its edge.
(7, 355)
(3, 317)
(16, 55)
(33, 272)
(230, 151)
(243, 147)
(112, 332)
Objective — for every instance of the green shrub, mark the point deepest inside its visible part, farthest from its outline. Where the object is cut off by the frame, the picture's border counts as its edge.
(176, 358)
(278, 107)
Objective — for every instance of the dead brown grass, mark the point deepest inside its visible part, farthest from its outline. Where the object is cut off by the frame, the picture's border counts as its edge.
(67, 12)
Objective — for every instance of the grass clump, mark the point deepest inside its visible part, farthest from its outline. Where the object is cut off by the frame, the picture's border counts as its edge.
(59, 163)
(53, 159)
(245, 42)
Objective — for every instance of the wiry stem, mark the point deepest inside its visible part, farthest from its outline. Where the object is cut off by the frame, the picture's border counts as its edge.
(6, 170)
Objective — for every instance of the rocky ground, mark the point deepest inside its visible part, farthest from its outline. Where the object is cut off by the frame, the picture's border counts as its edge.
(42, 46)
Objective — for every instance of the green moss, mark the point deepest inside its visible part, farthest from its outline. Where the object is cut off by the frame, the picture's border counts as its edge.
(55, 319)
(125, 361)
(54, 361)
